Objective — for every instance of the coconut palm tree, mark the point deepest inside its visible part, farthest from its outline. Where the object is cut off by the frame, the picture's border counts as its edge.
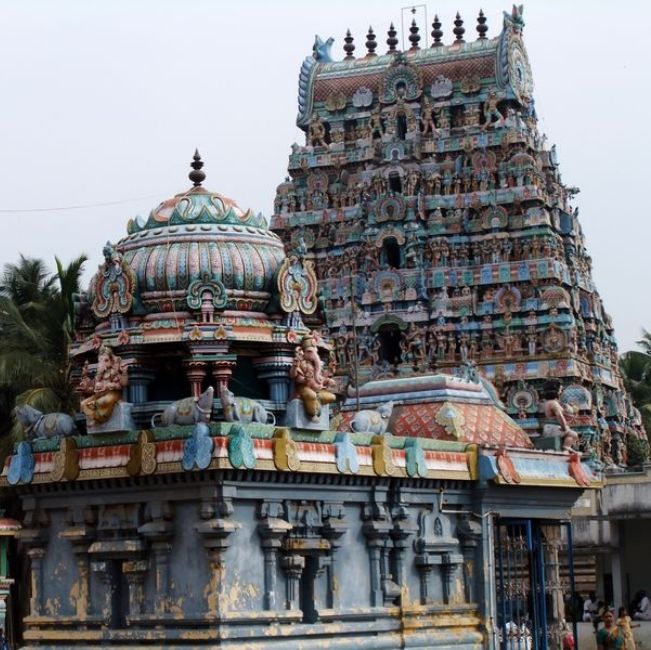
(36, 326)
(636, 371)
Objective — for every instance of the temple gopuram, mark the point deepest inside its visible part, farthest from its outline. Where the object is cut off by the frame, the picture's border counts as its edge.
(442, 233)
(347, 429)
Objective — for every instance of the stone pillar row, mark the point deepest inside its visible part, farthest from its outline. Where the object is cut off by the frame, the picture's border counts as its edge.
(127, 542)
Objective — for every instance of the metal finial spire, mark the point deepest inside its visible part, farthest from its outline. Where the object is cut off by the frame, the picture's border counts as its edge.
(392, 41)
(437, 32)
(414, 36)
(459, 29)
(371, 43)
(482, 27)
(349, 48)
(196, 175)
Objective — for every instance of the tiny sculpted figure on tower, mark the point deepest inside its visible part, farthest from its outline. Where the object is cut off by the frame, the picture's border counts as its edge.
(556, 413)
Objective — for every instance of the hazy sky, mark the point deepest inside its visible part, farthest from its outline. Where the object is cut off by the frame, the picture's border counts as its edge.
(106, 102)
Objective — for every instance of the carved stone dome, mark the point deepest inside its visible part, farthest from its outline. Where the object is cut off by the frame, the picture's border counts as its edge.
(200, 238)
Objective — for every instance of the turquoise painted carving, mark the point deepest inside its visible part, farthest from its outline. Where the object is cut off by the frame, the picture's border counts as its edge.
(346, 454)
(415, 458)
(21, 468)
(198, 448)
(241, 452)
(207, 291)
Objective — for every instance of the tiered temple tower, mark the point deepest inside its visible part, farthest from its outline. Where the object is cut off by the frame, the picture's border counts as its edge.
(441, 230)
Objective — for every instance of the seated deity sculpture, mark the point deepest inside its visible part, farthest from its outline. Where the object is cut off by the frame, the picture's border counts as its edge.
(106, 389)
(311, 381)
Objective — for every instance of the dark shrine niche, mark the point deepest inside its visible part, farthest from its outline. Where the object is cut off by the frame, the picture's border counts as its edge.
(391, 254)
(395, 182)
(169, 382)
(245, 382)
(390, 340)
(401, 126)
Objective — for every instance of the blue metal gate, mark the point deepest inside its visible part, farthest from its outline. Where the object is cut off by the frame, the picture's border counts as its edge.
(530, 594)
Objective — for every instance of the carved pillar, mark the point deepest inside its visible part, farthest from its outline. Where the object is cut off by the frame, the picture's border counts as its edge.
(449, 564)
(33, 539)
(425, 564)
(216, 528)
(134, 572)
(222, 371)
(469, 533)
(105, 571)
(275, 370)
(377, 533)
(376, 529)
(272, 529)
(334, 526)
(196, 372)
(81, 533)
(403, 529)
(158, 531)
(36, 555)
(293, 565)
(552, 544)
(139, 379)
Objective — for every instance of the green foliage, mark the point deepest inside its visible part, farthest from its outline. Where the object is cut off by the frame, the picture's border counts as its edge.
(637, 450)
(36, 327)
(636, 370)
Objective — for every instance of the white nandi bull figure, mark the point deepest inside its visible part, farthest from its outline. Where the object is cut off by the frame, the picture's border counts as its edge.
(190, 410)
(243, 409)
(372, 421)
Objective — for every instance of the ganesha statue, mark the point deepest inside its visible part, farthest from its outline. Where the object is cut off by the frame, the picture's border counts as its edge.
(103, 406)
(313, 387)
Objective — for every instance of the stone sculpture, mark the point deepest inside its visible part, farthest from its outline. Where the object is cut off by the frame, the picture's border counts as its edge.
(106, 394)
(243, 409)
(312, 382)
(373, 421)
(191, 410)
(556, 414)
(38, 425)
(114, 285)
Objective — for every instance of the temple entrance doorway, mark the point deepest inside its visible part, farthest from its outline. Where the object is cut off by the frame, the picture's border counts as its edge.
(528, 584)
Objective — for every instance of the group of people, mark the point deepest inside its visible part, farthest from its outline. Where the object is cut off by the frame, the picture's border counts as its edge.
(617, 632)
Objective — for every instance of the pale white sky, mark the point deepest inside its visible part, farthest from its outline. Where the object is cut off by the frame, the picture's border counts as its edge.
(106, 101)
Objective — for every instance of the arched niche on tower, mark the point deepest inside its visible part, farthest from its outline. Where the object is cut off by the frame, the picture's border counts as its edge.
(401, 81)
(390, 331)
(390, 241)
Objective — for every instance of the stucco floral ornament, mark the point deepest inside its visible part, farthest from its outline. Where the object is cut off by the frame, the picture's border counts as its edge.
(114, 285)
(451, 419)
(297, 285)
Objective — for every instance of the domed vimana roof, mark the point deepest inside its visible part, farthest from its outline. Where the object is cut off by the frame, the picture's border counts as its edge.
(201, 235)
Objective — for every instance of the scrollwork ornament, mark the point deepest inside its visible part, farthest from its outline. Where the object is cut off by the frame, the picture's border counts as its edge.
(297, 285)
(114, 285)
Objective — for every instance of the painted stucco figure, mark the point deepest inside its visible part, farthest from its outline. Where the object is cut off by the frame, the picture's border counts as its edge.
(312, 383)
(556, 415)
(110, 379)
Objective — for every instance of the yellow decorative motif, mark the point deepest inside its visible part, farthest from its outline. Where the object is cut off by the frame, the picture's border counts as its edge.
(382, 456)
(285, 450)
(66, 461)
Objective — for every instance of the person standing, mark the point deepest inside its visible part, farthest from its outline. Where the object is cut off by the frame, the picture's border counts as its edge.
(610, 637)
(625, 625)
(4, 642)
